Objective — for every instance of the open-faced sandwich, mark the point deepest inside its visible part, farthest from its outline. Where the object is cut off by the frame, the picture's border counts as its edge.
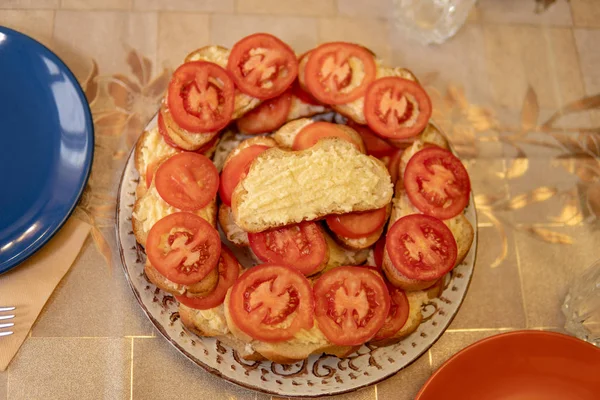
(326, 171)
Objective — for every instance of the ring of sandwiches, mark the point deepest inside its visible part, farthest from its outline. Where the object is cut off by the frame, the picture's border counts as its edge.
(354, 222)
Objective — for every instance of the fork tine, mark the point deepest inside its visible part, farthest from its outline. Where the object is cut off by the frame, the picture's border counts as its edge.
(6, 333)
(6, 308)
(6, 316)
(8, 325)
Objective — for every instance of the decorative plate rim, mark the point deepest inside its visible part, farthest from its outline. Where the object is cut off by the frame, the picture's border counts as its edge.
(216, 372)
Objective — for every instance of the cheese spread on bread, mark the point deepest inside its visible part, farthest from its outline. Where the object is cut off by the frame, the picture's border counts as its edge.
(152, 148)
(332, 177)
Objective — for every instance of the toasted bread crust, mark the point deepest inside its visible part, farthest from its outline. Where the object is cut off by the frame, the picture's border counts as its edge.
(232, 232)
(186, 140)
(199, 289)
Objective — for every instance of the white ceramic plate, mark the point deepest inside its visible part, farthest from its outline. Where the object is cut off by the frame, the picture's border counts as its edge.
(317, 376)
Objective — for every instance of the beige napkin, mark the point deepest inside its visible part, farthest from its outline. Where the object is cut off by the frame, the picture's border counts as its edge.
(29, 285)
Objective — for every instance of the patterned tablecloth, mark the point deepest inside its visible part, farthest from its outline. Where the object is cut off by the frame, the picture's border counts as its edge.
(516, 91)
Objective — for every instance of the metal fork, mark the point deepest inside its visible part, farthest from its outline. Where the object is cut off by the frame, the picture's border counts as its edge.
(6, 318)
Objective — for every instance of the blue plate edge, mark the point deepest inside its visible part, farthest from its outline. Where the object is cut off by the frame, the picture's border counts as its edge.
(49, 234)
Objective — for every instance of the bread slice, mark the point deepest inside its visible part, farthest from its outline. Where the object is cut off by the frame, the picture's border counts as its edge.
(150, 208)
(431, 136)
(300, 109)
(339, 256)
(150, 147)
(220, 55)
(233, 233)
(332, 177)
(354, 109)
(415, 317)
(244, 144)
(199, 289)
(190, 141)
(305, 343)
(366, 242)
(461, 228)
(286, 135)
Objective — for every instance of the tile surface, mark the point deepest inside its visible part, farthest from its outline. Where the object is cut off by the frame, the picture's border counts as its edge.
(586, 13)
(521, 12)
(185, 5)
(406, 383)
(161, 372)
(105, 36)
(71, 368)
(370, 32)
(38, 4)
(179, 33)
(96, 4)
(299, 32)
(35, 23)
(494, 298)
(318, 8)
(104, 305)
(523, 56)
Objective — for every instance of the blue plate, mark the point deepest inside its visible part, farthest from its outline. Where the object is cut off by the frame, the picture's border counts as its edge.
(46, 146)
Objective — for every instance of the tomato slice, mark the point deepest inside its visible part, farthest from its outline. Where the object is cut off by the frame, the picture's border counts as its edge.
(183, 247)
(301, 246)
(397, 108)
(378, 252)
(312, 133)
(437, 183)
(229, 269)
(351, 304)
(187, 181)
(376, 146)
(150, 170)
(201, 97)
(268, 116)
(332, 72)
(262, 66)
(235, 169)
(393, 165)
(398, 315)
(357, 224)
(303, 95)
(272, 302)
(421, 247)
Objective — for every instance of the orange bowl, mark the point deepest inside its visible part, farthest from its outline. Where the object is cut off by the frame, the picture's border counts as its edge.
(521, 365)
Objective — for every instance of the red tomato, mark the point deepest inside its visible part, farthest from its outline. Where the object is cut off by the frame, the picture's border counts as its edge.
(357, 224)
(312, 133)
(378, 252)
(397, 108)
(351, 304)
(399, 310)
(421, 247)
(201, 97)
(304, 96)
(376, 146)
(330, 76)
(188, 181)
(229, 269)
(437, 183)
(262, 66)
(237, 167)
(301, 246)
(150, 170)
(268, 116)
(271, 303)
(394, 166)
(183, 247)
